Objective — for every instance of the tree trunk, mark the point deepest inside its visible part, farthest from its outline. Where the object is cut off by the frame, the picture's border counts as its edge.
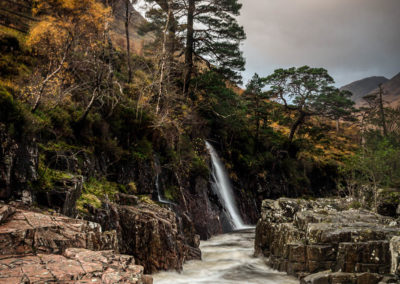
(128, 47)
(296, 125)
(189, 47)
(382, 112)
(163, 61)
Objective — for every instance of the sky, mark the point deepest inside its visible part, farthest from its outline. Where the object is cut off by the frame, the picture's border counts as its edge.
(352, 39)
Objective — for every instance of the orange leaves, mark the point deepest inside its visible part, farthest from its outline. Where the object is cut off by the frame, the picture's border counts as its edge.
(67, 20)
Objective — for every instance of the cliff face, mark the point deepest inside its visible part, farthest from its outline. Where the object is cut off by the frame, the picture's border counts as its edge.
(18, 164)
(159, 236)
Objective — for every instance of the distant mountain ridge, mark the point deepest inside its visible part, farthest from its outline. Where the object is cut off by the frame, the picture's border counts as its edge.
(366, 86)
(363, 87)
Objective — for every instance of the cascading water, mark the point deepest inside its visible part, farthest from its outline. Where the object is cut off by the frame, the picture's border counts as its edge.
(157, 182)
(223, 188)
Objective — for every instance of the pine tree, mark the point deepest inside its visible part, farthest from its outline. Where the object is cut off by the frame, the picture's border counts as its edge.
(309, 92)
(209, 33)
(214, 35)
(257, 104)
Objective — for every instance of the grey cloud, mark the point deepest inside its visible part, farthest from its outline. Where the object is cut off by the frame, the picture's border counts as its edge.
(351, 38)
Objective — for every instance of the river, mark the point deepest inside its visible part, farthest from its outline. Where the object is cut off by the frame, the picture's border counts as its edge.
(227, 259)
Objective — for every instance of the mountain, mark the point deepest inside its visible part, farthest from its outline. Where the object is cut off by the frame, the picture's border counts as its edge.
(363, 87)
(391, 91)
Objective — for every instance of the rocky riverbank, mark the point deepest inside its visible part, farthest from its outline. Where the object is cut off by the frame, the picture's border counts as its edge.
(323, 241)
(36, 247)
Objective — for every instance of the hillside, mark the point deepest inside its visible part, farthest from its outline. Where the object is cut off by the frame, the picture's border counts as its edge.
(363, 87)
(391, 90)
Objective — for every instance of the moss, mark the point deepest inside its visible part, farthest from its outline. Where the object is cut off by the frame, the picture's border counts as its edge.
(146, 199)
(171, 193)
(131, 188)
(87, 198)
(48, 177)
(199, 167)
(143, 150)
(101, 188)
(94, 191)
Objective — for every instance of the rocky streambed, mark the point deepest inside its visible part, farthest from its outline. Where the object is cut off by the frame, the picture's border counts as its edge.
(322, 241)
(227, 259)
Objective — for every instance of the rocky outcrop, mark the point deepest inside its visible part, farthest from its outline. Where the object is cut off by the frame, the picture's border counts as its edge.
(201, 203)
(41, 248)
(74, 266)
(156, 236)
(18, 164)
(63, 196)
(27, 232)
(305, 237)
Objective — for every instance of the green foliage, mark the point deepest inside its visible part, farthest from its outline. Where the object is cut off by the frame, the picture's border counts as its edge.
(143, 150)
(171, 193)
(48, 177)
(309, 92)
(101, 188)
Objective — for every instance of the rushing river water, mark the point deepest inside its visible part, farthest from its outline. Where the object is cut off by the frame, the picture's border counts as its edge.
(227, 259)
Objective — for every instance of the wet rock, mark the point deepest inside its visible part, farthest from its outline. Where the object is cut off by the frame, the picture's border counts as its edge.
(26, 232)
(204, 213)
(303, 237)
(74, 266)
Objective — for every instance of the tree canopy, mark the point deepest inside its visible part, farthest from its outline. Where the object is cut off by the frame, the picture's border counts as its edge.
(308, 92)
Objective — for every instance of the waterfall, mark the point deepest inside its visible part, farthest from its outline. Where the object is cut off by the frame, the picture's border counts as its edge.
(157, 182)
(223, 188)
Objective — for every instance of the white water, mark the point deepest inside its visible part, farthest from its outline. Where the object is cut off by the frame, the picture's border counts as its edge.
(157, 182)
(224, 189)
(227, 259)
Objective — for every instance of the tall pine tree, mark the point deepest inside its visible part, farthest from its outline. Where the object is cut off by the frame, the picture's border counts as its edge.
(209, 32)
(214, 35)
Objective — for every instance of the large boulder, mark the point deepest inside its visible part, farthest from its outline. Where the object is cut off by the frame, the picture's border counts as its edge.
(304, 237)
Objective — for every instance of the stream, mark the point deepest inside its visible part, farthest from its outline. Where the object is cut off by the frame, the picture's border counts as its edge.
(227, 259)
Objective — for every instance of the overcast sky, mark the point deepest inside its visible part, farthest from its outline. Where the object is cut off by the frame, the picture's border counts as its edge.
(353, 39)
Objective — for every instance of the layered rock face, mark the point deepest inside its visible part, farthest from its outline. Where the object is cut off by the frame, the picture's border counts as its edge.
(156, 236)
(305, 237)
(18, 164)
(36, 247)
